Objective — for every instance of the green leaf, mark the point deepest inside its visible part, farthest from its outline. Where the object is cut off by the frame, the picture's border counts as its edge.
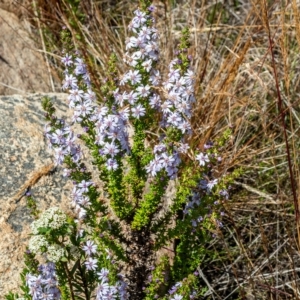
(64, 259)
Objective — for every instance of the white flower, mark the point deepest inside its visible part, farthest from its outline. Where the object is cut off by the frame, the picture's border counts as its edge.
(55, 253)
(36, 242)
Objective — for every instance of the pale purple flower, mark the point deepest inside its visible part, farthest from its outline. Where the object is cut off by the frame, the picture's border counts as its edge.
(124, 113)
(203, 159)
(58, 137)
(85, 108)
(138, 111)
(60, 155)
(80, 66)
(111, 149)
(67, 60)
(70, 81)
(177, 297)
(111, 164)
(134, 76)
(91, 264)
(131, 42)
(145, 33)
(155, 101)
(139, 19)
(76, 95)
(174, 75)
(212, 183)
(90, 95)
(166, 107)
(183, 148)
(102, 290)
(84, 201)
(90, 248)
(151, 47)
(111, 122)
(84, 186)
(185, 126)
(132, 97)
(76, 117)
(136, 56)
(155, 77)
(143, 91)
(103, 274)
(174, 119)
(147, 64)
(189, 77)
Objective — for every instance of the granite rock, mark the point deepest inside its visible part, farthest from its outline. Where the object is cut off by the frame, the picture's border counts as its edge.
(22, 65)
(26, 164)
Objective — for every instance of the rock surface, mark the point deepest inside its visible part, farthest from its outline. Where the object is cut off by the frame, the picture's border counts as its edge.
(22, 66)
(26, 164)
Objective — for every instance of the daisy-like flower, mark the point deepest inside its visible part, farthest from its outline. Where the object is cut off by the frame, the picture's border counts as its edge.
(67, 60)
(60, 155)
(76, 95)
(143, 90)
(139, 19)
(132, 97)
(155, 101)
(155, 77)
(102, 290)
(177, 297)
(103, 274)
(80, 66)
(90, 248)
(211, 183)
(70, 81)
(58, 137)
(174, 75)
(138, 111)
(174, 119)
(134, 76)
(185, 127)
(91, 264)
(166, 107)
(85, 201)
(84, 186)
(85, 108)
(90, 95)
(111, 164)
(183, 148)
(203, 159)
(111, 149)
(147, 64)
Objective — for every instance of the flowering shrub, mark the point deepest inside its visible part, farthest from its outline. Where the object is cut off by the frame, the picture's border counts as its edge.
(138, 138)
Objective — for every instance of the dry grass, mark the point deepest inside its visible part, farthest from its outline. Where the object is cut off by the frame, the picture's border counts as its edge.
(247, 64)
